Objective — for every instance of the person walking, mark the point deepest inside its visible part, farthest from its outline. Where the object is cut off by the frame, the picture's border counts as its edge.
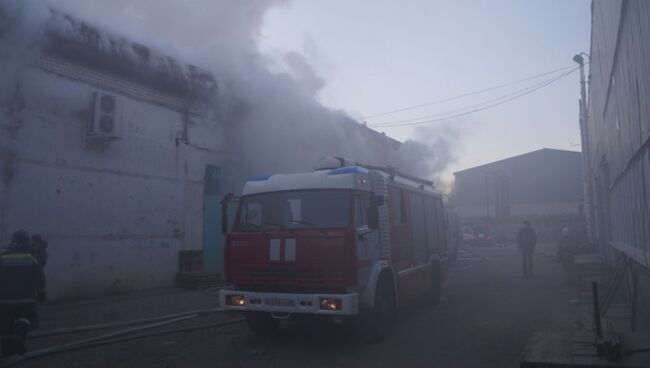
(527, 239)
(20, 280)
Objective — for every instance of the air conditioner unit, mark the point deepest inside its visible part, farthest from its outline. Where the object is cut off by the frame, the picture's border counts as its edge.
(103, 118)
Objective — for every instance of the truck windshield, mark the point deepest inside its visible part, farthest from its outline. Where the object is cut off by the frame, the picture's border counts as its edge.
(322, 209)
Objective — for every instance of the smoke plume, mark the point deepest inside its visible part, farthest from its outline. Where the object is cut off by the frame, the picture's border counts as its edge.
(433, 150)
(272, 121)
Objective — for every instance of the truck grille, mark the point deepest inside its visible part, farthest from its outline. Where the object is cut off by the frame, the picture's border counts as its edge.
(285, 275)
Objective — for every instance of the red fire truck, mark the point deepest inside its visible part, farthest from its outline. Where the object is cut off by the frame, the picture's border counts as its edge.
(348, 242)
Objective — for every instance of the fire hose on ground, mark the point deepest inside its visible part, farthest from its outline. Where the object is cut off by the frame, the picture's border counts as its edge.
(104, 326)
(121, 335)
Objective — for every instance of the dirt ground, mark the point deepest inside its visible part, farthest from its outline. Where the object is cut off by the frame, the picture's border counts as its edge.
(488, 313)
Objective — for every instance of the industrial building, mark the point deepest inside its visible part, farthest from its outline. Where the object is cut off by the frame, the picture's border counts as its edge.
(110, 150)
(617, 133)
(542, 186)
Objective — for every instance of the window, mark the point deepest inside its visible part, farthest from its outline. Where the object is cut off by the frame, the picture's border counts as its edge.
(418, 227)
(361, 212)
(295, 210)
(442, 244)
(252, 214)
(401, 242)
(398, 205)
(432, 223)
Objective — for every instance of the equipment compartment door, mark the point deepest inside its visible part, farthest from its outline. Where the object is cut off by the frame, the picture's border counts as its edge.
(213, 246)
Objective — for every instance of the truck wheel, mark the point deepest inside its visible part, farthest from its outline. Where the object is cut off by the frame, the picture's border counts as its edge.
(435, 293)
(372, 323)
(262, 323)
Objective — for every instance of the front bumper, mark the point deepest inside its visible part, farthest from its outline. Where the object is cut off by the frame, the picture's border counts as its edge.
(290, 303)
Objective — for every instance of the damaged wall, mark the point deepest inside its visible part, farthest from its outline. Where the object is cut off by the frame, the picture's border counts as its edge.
(271, 109)
(115, 212)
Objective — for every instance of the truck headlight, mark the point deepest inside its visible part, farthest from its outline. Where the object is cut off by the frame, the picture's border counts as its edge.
(236, 300)
(332, 304)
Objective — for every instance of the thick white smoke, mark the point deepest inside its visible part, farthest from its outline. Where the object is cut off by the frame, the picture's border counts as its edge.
(434, 149)
(273, 121)
(18, 30)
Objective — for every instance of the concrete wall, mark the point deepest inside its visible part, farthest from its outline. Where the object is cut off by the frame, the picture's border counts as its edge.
(115, 216)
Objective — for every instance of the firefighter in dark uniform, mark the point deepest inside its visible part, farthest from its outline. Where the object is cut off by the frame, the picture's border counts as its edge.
(38, 249)
(20, 280)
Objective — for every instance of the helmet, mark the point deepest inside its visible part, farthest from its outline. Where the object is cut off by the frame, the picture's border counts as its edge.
(19, 239)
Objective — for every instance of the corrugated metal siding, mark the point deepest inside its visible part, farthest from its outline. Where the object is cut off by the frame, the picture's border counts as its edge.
(605, 19)
(619, 120)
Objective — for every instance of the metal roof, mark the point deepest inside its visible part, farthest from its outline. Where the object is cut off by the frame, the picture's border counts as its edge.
(543, 151)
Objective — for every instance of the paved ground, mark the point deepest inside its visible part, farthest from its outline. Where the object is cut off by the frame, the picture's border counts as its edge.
(488, 314)
(127, 306)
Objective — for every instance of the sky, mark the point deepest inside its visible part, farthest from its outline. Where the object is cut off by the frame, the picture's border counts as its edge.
(380, 55)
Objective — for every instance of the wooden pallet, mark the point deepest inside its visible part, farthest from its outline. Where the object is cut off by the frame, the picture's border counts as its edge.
(190, 261)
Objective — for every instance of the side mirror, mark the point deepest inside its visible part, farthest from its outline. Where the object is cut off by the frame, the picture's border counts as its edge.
(224, 213)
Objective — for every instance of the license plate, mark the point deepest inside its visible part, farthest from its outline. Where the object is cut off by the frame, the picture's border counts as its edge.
(278, 302)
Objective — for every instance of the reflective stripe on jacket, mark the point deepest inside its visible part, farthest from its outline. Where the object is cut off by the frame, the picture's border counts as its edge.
(18, 259)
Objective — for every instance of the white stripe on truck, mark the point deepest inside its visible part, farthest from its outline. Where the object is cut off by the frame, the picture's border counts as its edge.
(290, 249)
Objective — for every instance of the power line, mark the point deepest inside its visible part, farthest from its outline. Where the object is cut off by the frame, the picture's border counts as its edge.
(466, 94)
(501, 101)
(426, 117)
(521, 93)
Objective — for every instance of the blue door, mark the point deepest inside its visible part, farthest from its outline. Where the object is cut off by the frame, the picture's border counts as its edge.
(212, 237)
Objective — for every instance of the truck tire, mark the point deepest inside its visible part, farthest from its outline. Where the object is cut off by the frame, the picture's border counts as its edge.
(372, 323)
(262, 323)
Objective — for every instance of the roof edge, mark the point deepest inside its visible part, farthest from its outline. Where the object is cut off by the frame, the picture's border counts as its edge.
(517, 156)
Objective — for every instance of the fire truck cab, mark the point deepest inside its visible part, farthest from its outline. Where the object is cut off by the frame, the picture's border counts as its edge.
(352, 242)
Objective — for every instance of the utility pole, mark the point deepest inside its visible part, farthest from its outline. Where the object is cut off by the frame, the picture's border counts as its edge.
(586, 150)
